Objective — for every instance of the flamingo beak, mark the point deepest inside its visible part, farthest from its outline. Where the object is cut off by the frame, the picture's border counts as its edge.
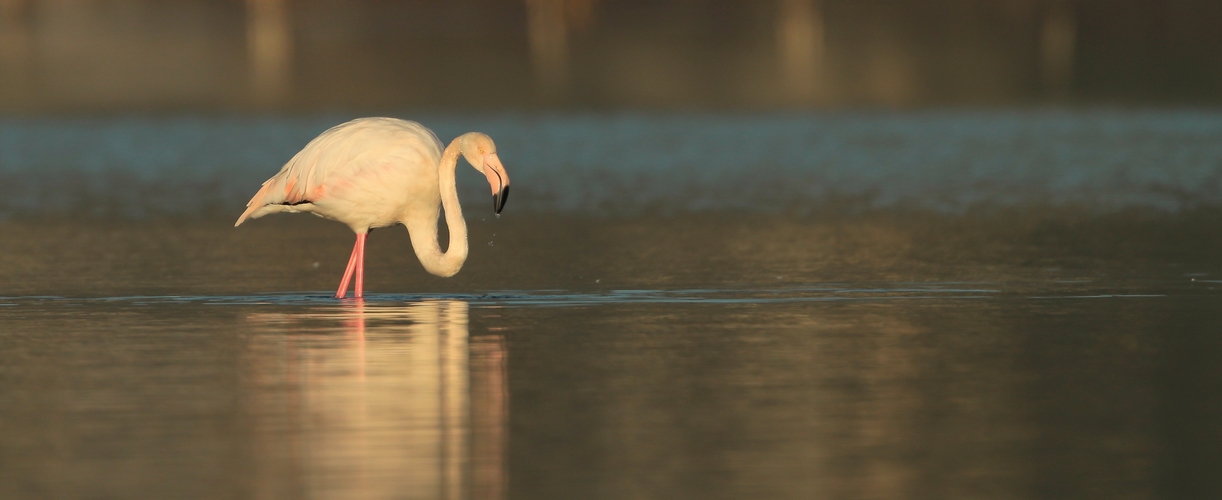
(498, 179)
(498, 200)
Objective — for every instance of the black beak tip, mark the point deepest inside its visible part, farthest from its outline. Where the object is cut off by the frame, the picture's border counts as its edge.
(498, 200)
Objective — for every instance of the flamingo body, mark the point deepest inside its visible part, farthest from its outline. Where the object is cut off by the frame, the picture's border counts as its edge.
(379, 172)
(365, 173)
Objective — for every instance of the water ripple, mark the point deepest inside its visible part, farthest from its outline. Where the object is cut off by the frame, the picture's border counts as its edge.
(565, 298)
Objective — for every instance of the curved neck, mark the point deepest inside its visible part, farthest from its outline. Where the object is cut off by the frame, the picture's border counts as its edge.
(423, 232)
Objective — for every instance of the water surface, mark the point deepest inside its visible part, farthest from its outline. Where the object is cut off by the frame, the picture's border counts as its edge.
(901, 339)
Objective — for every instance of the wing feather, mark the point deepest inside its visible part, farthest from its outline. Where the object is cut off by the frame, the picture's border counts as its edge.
(341, 152)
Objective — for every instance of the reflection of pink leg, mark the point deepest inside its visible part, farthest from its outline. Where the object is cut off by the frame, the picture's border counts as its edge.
(343, 284)
(360, 266)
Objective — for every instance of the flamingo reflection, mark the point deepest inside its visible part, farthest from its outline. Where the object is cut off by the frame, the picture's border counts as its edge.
(371, 401)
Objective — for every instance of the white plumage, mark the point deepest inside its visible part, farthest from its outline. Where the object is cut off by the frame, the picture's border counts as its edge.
(378, 172)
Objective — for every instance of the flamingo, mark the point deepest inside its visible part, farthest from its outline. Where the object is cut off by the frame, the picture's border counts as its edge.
(378, 172)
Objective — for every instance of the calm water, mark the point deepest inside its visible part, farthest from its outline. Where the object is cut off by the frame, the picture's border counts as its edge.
(633, 163)
(850, 342)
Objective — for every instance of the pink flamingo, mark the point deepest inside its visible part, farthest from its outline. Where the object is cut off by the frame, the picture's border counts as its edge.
(378, 172)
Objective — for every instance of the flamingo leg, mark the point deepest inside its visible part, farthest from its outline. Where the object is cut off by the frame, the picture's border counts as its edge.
(360, 265)
(352, 260)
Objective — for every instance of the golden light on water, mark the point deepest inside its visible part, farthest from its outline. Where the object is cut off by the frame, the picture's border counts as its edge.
(379, 397)
(726, 275)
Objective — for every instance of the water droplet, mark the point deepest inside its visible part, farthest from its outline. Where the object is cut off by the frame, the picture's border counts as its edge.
(489, 243)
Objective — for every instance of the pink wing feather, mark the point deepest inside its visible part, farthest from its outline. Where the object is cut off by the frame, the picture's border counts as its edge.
(304, 178)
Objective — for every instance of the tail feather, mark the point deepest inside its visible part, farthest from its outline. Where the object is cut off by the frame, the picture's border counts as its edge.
(257, 202)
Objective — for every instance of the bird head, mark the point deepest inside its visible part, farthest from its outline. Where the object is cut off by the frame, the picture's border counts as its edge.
(480, 152)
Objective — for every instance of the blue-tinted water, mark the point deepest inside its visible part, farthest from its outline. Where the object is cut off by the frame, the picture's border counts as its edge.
(936, 304)
(626, 163)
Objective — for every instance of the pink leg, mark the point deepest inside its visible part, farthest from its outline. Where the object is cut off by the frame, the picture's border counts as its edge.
(360, 266)
(343, 284)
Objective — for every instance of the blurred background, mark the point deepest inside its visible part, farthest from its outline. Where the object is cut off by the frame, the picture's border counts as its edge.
(139, 107)
(797, 249)
(354, 55)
